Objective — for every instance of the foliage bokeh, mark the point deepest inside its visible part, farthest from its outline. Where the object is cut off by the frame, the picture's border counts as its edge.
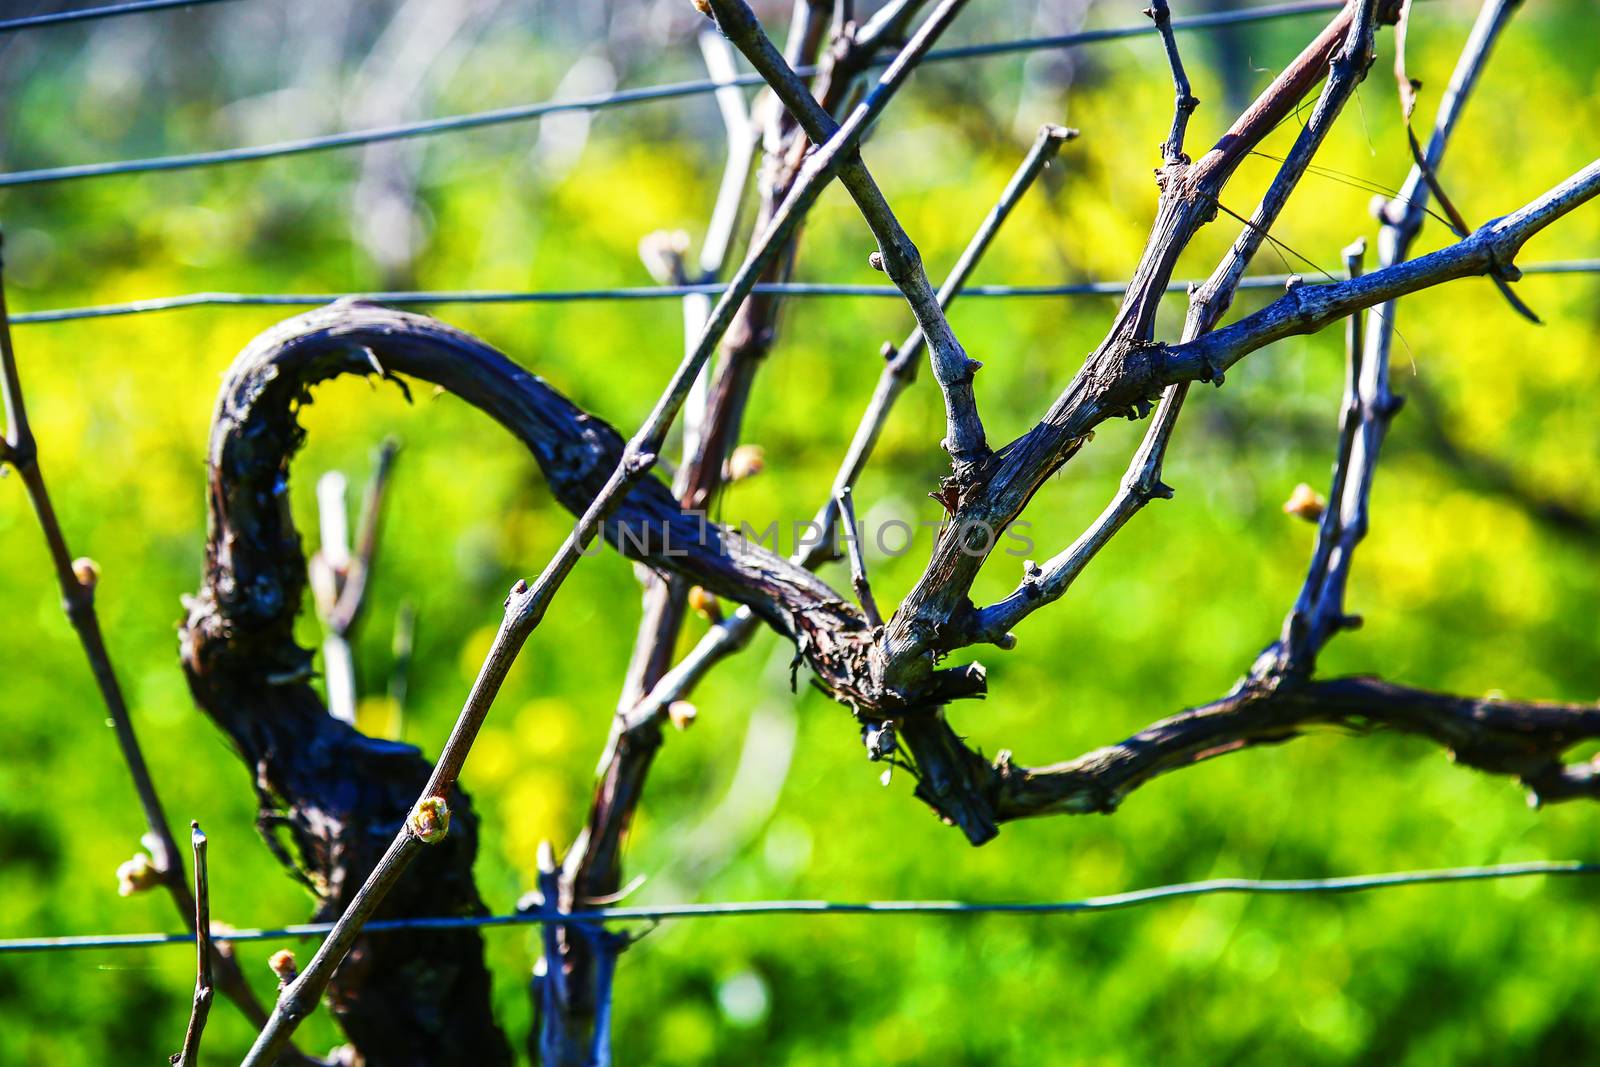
(1463, 586)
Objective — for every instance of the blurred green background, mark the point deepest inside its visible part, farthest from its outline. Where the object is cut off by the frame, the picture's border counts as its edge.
(1464, 586)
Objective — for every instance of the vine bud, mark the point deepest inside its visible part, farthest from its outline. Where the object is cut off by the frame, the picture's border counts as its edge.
(1305, 503)
(663, 252)
(283, 965)
(430, 820)
(137, 875)
(747, 461)
(705, 604)
(682, 713)
(87, 571)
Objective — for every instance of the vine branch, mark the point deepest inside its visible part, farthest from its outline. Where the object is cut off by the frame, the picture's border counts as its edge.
(189, 1056)
(78, 579)
(897, 256)
(1184, 101)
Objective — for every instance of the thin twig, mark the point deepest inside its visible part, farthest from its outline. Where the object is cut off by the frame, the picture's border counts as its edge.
(1374, 402)
(77, 580)
(1491, 17)
(725, 213)
(1314, 617)
(340, 575)
(1370, 404)
(353, 599)
(902, 359)
(896, 256)
(858, 559)
(190, 1055)
(332, 559)
(844, 13)
(1184, 101)
(592, 867)
(1045, 584)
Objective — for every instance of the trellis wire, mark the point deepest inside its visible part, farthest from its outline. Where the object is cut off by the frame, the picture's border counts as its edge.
(643, 292)
(1132, 898)
(86, 14)
(524, 112)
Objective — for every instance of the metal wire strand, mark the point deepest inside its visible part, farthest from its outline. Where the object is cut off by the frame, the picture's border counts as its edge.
(88, 14)
(641, 292)
(524, 112)
(1132, 898)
